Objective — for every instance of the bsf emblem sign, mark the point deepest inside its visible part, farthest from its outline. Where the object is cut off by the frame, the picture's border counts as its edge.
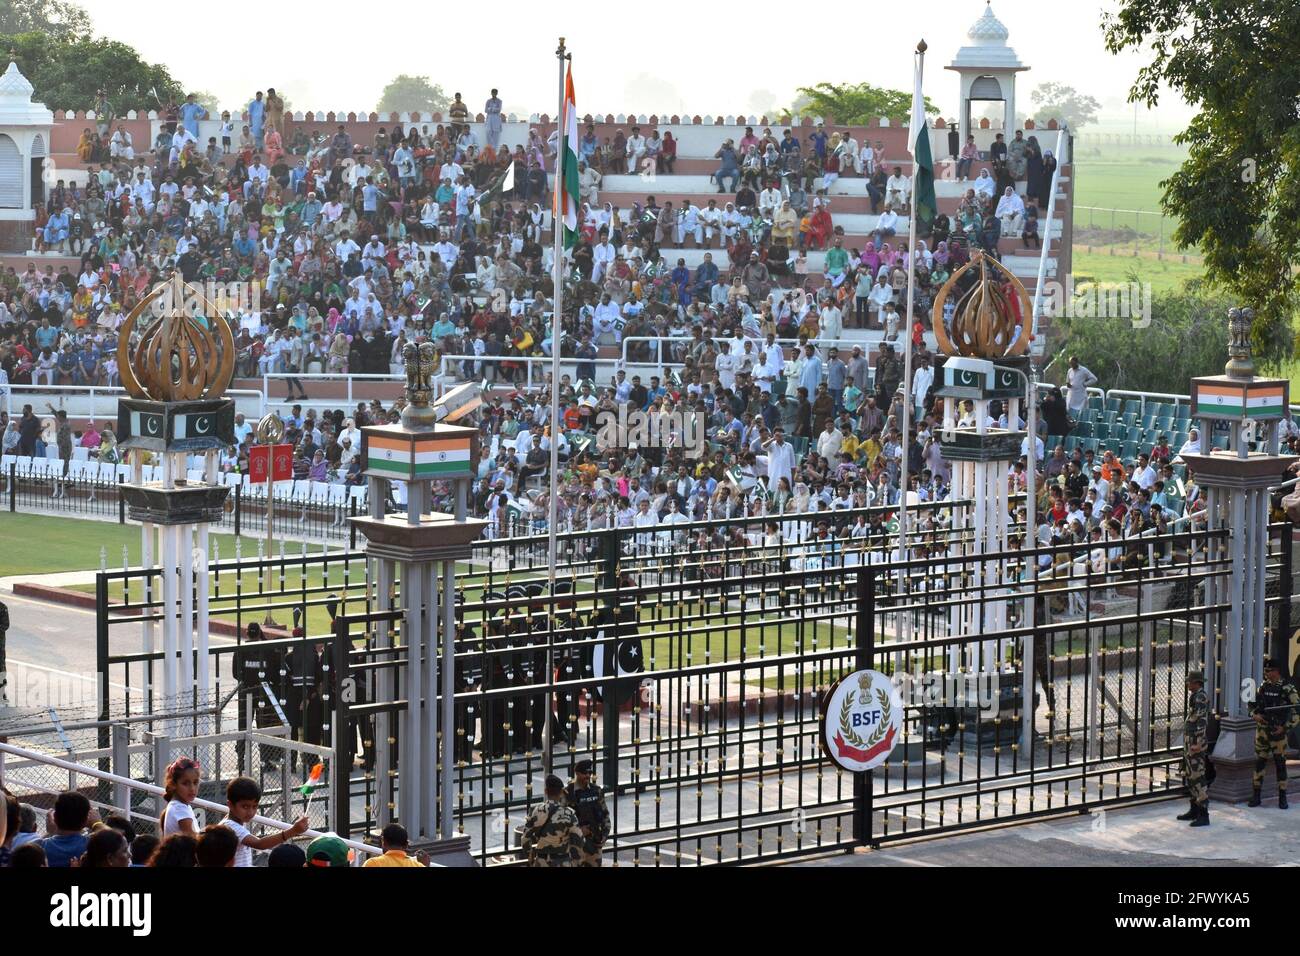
(862, 720)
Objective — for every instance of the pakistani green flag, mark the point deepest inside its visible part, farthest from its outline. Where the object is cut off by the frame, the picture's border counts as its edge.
(923, 165)
(503, 184)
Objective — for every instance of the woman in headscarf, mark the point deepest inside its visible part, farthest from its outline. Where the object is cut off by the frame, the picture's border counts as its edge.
(338, 360)
(985, 186)
(86, 146)
(940, 255)
(1033, 168)
(1044, 190)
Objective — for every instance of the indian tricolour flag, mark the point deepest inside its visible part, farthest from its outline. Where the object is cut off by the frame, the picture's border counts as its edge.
(566, 180)
(1259, 402)
(923, 172)
(430, 457)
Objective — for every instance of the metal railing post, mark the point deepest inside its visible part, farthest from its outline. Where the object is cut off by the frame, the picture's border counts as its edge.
(162, 756)
(122, 766)
(864, 651)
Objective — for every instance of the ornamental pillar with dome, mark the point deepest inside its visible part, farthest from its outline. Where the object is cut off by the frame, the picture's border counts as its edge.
(987, 68)
(25, 129)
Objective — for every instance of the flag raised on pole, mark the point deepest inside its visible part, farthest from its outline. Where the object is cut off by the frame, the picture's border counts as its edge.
(923, 171)
(566, 184)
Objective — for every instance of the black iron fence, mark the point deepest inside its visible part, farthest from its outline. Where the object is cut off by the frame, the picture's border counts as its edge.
(692, 669)
(301, 509)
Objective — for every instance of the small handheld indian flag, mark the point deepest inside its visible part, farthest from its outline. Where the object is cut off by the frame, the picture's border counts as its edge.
(313, 780)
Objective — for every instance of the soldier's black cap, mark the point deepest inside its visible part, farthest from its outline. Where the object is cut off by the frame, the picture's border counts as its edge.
(563, 587)
(1271, 664)
(582, 766)
(553, 783)
(515, 592)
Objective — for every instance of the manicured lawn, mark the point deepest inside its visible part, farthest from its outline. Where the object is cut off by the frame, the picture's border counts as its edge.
(43, 544)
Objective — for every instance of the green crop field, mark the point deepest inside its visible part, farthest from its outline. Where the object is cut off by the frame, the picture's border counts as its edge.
(1132, 182)
(1165, 275)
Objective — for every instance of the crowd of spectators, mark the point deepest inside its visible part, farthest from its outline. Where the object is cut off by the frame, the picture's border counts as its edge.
(74, 835)
(362, 247)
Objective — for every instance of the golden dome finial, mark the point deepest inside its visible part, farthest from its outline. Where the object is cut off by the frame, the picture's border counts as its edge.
(986, 317)
(178, 358)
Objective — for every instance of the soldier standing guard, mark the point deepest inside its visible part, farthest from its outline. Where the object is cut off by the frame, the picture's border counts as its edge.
(1194, 752)
(469, 675)
(551, 833)
(256, 665)
(1275, 709)
(588, 803)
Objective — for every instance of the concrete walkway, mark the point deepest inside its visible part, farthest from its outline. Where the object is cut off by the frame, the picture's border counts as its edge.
(1145, 835)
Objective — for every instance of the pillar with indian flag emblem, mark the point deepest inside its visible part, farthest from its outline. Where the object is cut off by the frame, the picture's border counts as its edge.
(392, 452)
(414, 554)
(1236, 470)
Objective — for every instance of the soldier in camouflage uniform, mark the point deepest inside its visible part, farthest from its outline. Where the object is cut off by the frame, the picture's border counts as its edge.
(551, 833)
(1275, 711)
(588, 802)
(1195, 751)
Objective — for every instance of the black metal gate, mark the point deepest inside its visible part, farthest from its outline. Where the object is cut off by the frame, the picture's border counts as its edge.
(691, 668)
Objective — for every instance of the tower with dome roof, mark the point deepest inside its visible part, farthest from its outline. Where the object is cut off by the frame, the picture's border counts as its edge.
(987, 67)
(25, 129)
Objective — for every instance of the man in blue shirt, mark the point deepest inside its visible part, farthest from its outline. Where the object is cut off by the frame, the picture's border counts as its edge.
(257, 117)
(818, 141)
(811, 376)
(68, 365)
(191, 113)
(72, 813)
(705, 277)
(46, 336)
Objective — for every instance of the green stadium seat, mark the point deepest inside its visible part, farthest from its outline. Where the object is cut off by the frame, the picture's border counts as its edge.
(1129, 451)
(1133, 406)
(1082, 429)
(1113, 406)
(1221, 442)
(1071, 443)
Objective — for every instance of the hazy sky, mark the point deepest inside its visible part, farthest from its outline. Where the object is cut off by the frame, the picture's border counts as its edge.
(669, 57)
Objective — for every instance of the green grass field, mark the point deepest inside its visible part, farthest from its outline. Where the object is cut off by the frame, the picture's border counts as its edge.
(1132, 182)
(1164, 274)
(44, 544)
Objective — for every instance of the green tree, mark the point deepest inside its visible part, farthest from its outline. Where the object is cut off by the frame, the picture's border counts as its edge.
(67, 74)
(55, 18)
(406, 94)
(1237, 195)
(857, 104)
(1065, 104)
(1187, 337)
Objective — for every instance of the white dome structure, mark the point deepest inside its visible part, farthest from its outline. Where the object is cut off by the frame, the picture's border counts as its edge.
(25, 128)
(987, 67)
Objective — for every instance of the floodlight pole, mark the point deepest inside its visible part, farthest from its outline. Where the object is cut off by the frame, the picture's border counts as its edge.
(552, 506)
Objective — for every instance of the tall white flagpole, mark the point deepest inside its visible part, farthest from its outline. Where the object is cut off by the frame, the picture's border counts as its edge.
(904, 478)
(557, 278)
